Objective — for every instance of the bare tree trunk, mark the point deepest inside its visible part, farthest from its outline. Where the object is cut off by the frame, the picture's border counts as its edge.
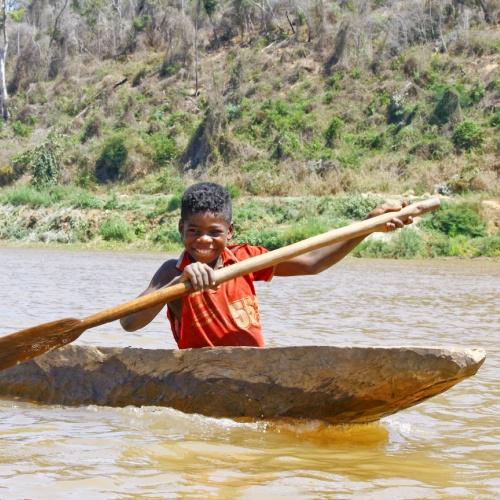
(340, 46)
(295, 34)
(196, 20)
(57, 54)
(4, 97)
(55, 29)
(319, 11)
(486, 11)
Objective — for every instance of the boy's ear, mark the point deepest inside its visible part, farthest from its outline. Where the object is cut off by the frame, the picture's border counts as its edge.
(230, 231)
(181, 225)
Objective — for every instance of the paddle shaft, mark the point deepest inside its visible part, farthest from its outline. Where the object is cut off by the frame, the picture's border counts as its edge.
(269, 259)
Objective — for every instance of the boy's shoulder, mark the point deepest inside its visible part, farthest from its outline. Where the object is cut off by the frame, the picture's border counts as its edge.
(245, 250)
(166, 272)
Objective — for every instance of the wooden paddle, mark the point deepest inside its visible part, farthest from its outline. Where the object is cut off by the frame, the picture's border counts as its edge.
(31, 342)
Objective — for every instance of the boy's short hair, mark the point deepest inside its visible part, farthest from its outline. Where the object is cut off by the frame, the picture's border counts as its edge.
(206, 197)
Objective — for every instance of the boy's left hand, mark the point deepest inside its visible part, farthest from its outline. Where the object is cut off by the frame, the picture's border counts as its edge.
(395, 223)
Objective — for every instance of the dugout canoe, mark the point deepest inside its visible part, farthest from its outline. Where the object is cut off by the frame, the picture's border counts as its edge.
(337, 384)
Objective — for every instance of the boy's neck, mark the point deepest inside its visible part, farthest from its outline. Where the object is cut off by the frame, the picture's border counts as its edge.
(216, 264)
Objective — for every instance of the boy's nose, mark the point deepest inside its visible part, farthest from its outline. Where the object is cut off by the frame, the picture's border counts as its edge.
(205, 237)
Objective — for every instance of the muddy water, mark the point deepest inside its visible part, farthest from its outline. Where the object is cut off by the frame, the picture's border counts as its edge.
(447, 447)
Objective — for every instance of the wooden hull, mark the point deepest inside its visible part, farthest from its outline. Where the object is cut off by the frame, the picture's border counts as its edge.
(337, 384)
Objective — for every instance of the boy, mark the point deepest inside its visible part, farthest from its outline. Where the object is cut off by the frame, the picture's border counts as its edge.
(226, 315)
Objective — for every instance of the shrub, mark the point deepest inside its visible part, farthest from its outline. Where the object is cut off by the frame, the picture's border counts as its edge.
(164, 148)
(333, 130)
(447, 107)
(357, 206)
(115, 229)
(42, 161)
(83, 199)
(82, 230)
(455, 220)
(7, 174)
(269, 238)
(21, 129)
(372, 248)
(435, 148)
(169, 69)
(439, 245)
(407, 244)
(109, 166)
(233, 111)
(91, 128)
(495, 119)
(20, 164)
(460, 246)
(285, 145)
(371, 139)
(477, 92)
(489, 246)
(174, 203)
(334, 82)
(233, 190)
(112, 202)
(467, 135)
(301, 231)
(45, 165)
(167, 236)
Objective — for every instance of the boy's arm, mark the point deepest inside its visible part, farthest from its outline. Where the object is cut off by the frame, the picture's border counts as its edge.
(166, 275)
(318, 260)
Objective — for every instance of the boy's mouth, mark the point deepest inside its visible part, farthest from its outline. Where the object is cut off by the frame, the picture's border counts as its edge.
(203, 252)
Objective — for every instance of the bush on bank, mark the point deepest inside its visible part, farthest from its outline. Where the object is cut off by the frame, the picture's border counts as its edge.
(80, 216)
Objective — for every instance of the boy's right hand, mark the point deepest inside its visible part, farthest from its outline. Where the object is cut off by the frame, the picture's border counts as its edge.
(201, 276)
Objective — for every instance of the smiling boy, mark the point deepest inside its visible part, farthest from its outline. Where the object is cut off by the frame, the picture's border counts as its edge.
(227, 315)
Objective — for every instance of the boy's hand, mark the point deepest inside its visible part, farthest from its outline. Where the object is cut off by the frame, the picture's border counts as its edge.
(201, 276)
(395, 223)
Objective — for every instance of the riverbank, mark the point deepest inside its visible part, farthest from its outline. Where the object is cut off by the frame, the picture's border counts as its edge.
(77, 218)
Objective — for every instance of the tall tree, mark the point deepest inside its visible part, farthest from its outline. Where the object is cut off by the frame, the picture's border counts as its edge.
(207, 6)
(4, 45)
(196, 27)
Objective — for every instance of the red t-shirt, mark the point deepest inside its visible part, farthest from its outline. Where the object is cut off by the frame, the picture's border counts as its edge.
(228, 316)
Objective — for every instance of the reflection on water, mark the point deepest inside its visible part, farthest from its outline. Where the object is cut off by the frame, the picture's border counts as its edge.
(446, 447)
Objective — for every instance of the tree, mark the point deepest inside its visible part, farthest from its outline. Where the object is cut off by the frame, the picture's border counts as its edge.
(196, 21)
(208, 6)
(57, 44)
(4, 45)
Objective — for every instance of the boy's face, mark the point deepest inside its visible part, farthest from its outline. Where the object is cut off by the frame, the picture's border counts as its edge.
(205, 235)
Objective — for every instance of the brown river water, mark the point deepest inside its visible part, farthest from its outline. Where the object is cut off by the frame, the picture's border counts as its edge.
(446, 447)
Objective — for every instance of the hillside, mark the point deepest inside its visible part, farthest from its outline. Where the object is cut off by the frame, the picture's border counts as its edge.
(270, 99)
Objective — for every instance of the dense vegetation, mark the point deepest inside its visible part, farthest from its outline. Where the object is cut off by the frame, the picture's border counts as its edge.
(62, 215)
(112, 104)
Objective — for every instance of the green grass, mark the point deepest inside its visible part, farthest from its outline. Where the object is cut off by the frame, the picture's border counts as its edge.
(29, 196)
(116, 229)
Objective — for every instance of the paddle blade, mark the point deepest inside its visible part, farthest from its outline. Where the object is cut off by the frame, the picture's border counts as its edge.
(31, 342)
